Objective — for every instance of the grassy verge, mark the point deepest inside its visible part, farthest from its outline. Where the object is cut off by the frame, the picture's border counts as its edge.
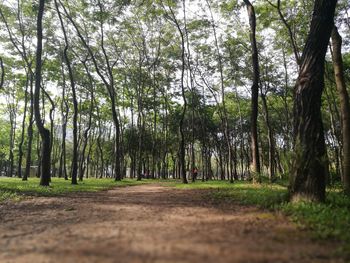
(330, 220)
(16, 189)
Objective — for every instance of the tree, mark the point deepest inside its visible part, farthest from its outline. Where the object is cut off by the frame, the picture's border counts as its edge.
(344, 104)
(182, 164)
(289, 29)
(45, 172)
(255, 93)
(107, 79)
(309, 167)
(74, 171)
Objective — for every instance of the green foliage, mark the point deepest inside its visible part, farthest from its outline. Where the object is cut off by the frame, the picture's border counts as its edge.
(328, 220)
(15, 189)
(263, 195)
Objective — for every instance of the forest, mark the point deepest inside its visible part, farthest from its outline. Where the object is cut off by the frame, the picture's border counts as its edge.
(235, 95)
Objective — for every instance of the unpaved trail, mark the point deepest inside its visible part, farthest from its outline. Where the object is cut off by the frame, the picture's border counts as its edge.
(150, 223)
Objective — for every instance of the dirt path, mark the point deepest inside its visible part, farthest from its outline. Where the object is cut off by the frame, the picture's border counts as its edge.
(149, 223)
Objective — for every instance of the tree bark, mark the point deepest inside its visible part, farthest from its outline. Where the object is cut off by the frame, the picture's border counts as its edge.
(309, 164)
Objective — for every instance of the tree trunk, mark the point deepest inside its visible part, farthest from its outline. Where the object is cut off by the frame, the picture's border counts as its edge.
(13, 120)
(20, 146)
(182, 145)
(29, 131)
(2, 76)
(45, 171)
(309, 164)
(74, 171)
(270, 139)
(108, 83)
(224, 117)
(255, 94)
(344, 105)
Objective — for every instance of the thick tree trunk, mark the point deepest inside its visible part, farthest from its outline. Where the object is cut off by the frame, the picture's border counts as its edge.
(309, 165)
(344, 105)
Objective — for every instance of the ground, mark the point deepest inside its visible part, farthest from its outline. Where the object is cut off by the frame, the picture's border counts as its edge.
(151, 223)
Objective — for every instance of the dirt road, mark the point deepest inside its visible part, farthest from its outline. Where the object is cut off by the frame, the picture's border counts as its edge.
(149, 223)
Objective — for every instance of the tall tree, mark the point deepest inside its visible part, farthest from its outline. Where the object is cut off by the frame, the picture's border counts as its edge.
(224, 115)
(182, 153)
(255, 93)
(74, 170)
(309, 165)
(344, 104)
(45, 172)
(108, 81)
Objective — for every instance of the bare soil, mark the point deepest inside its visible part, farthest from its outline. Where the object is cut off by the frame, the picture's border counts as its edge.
(150, 223)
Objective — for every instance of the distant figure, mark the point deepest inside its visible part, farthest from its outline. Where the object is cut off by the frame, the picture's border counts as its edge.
(195, 173)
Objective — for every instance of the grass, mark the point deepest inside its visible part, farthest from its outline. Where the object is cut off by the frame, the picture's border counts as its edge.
(16, 189)
(266, 196)
(330, 220)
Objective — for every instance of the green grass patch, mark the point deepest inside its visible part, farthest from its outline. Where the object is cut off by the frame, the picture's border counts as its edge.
(330, 220)
(263, 195)
(16, 189)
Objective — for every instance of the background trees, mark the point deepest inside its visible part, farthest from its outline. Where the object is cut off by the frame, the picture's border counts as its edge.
(115, 76)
